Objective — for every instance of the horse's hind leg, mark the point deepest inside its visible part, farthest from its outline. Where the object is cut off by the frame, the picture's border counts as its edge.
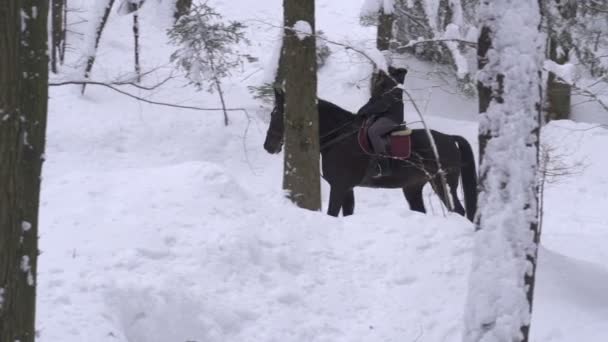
(453, 184)
(348, 203)
(336, 197)
(413, 195)
(453, 187)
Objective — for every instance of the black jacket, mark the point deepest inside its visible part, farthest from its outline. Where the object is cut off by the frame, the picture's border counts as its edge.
(387, 98)
(388, 105)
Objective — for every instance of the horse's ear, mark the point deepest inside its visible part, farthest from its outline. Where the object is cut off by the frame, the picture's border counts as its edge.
(398, 74)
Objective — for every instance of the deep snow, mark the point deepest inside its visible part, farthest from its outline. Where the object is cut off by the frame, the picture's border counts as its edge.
(162, 225)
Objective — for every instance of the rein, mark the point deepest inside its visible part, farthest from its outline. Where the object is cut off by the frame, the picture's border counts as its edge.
(324, 145)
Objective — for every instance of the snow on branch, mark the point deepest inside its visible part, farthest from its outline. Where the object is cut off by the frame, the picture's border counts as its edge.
(567, 73)
(371, 8)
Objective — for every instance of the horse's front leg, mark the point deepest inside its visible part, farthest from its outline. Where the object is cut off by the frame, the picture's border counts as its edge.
(348, 203)
(336, 196)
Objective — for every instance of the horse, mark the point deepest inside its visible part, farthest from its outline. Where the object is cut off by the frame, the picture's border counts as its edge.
(345, 165)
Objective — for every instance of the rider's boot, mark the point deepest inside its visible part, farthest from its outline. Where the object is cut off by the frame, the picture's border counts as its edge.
(383, 167)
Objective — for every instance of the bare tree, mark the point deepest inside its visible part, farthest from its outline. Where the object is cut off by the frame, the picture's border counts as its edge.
(136, 46)
(301, 167)
(23, 109)
(505, 254)
(98, 32)
(58, 32)
(384, 34)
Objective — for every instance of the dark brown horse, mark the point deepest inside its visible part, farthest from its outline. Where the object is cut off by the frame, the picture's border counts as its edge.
(346, 166)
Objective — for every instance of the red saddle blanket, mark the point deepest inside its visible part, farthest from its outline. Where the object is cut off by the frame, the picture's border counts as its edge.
(399, 142)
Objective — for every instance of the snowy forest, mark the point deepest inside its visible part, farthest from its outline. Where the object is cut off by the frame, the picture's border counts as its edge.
(303, 171)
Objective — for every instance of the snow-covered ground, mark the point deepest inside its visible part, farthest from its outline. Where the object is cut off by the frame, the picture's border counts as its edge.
(162, 225)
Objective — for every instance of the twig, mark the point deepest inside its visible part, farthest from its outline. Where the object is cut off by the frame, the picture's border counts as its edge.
(55, 84)
(438, 40)
(441, 172)
(593, 96)
(144, 87)
(329, 41)
(413, 18)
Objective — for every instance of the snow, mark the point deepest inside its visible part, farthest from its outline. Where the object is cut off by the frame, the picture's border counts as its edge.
(27, 269)
(302, 29)
(566, 72)
(379, 58)
(498, 306)
(371, 8)
(159, 224)
(26, 226)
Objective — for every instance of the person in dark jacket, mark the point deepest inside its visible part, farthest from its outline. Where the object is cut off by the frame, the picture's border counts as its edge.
(385, 108)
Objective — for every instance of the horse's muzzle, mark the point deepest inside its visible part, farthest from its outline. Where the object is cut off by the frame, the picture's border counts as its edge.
(273, 148)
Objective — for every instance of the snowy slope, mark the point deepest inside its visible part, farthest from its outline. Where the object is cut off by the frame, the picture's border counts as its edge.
(162, 225)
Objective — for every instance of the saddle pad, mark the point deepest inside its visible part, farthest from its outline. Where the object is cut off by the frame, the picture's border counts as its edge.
(400, 146)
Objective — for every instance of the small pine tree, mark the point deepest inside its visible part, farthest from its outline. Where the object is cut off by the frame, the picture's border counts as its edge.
(207, 48)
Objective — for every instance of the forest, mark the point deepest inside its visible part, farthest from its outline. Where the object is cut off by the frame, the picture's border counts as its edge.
(303, 170)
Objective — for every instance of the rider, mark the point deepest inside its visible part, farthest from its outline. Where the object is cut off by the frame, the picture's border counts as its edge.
(385, 108)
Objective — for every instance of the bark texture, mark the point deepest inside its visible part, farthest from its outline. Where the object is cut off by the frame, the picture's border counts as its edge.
(23, 109)
(301, 176)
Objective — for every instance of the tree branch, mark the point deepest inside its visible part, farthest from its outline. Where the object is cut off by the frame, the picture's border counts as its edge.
(55, 84)
(440, 40)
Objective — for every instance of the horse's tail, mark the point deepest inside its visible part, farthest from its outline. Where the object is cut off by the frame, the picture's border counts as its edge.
(468, 175)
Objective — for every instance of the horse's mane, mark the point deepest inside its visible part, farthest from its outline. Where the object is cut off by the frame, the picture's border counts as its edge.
(333, 114)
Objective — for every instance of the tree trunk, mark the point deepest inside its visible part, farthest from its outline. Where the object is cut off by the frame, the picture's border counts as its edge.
(384, 35)
(558, 93)
(98, 32)
(136, 46)
(182, 7)
(301, 170)
(23, 108)
(506, 243)
(57, 32)
(64, 32)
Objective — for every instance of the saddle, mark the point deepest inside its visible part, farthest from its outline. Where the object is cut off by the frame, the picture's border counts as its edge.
(399, 141)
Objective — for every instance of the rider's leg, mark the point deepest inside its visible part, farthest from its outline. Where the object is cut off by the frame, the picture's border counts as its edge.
(376, 132)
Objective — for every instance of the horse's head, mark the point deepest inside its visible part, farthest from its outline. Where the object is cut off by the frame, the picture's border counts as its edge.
(387, 81)
(274, 136)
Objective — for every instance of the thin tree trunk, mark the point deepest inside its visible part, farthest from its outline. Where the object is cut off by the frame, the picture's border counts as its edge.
(64, 32)
(384, 35)
(136, 46)
(301, 176)
(57, 32)
(98, 33)
(501, 289)
(182, 7)
(559, 94)
(23, 108)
